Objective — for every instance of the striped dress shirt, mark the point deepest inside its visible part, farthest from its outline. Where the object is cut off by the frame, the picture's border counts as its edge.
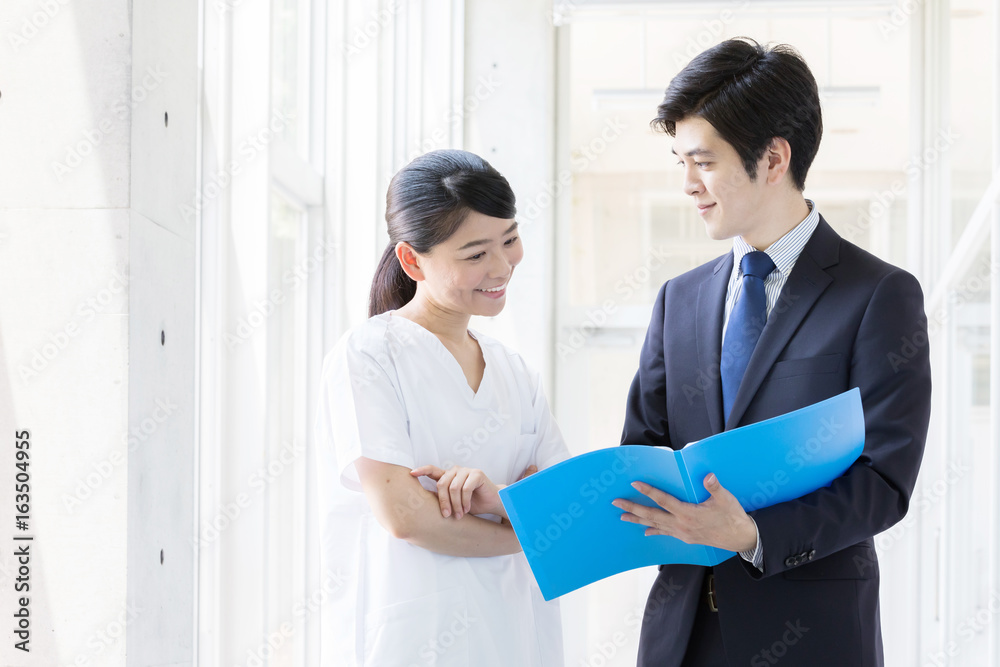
(783, 253)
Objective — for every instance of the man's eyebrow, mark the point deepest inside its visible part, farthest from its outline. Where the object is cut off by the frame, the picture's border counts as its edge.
(704, 152)
(485, 241)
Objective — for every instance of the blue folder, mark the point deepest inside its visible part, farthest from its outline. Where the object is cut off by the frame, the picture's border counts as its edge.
(573, 536)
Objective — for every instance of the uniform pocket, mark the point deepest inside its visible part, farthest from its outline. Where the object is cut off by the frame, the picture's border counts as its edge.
(524, 455)
(429, 630)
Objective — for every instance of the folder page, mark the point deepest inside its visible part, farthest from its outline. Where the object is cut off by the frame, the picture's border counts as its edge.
(573, 536)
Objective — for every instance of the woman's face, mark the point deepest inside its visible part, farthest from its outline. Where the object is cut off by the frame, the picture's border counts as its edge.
(469, 272)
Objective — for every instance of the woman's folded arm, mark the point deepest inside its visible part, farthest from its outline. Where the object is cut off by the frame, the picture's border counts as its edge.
(410, 512)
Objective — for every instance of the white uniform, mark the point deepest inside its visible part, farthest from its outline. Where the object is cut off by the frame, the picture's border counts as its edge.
(392, 392)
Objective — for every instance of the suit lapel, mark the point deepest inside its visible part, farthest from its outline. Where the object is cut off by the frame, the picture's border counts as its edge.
(805, 284)
(711, 309)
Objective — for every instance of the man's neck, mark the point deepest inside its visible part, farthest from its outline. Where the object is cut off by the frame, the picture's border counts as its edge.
(783, 219)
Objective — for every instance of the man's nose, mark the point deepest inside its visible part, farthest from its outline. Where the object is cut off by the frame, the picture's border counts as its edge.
(692, 184)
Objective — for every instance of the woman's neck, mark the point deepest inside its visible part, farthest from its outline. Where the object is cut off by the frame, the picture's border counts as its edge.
(445, 324)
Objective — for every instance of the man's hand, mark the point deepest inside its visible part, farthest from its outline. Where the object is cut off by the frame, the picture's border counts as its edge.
(718, 522)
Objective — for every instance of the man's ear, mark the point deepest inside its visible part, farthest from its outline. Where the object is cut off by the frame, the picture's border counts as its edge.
(779, 159)
(409, 260)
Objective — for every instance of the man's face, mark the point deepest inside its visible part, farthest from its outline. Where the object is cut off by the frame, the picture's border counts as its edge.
(727, 200)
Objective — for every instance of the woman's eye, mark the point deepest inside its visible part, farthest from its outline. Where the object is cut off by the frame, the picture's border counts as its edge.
(511, 240)
(476, 256)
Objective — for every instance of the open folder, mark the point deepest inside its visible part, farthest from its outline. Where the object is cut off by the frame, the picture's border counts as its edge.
(573, 536)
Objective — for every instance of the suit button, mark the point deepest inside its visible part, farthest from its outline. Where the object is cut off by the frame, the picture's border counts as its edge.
(812, 554)
(790, 562)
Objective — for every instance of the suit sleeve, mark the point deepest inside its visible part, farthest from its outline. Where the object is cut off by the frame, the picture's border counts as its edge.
(646, 408)
(890, 364)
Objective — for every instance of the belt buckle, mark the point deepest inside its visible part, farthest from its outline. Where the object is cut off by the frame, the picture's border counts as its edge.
(711, 593)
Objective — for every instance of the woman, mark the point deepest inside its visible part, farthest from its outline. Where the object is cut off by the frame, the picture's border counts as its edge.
(429, 419)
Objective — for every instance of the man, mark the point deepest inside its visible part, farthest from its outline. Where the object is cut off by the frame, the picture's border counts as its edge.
(793, 315)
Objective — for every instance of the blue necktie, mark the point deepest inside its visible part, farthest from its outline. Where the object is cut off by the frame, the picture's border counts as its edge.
(746, 321)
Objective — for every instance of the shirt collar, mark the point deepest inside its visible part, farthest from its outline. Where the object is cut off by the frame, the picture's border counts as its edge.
(785, 250)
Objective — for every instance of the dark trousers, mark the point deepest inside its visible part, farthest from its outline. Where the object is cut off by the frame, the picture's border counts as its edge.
(705, 647)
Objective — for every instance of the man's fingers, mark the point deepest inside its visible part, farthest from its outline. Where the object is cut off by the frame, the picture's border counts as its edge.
(636, 513)
(664, 500)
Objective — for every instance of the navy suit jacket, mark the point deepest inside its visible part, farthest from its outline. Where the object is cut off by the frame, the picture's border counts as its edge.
(843, 319)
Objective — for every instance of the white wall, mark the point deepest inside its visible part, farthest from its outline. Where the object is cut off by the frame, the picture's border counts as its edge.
(64, 266)
(97, 326)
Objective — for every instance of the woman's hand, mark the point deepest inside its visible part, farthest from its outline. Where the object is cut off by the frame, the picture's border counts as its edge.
(463, 491)
(530, 470)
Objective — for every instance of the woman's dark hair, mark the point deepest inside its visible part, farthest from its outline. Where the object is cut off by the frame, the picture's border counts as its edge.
(427, 201)
(750, 94)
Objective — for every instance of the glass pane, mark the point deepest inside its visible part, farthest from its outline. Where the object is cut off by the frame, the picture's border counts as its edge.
(968, 135)
(962, 332)
(286, 459)
(290, 69)
(627, 198)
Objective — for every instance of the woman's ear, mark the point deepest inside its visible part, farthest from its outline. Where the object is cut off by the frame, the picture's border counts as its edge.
(409, 260)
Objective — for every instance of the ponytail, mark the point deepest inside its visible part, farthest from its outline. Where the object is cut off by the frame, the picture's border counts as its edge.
(391, 287)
